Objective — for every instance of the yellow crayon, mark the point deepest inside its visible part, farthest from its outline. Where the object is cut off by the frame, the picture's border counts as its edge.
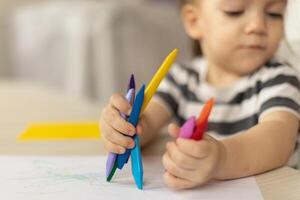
(159, 75)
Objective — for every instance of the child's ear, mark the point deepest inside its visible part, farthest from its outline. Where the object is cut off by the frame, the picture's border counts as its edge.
(191, 19)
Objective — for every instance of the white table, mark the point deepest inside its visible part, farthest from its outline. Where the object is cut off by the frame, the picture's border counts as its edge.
(22, 102)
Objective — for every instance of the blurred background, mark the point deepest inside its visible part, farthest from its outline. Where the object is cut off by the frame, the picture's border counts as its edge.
(88, 48)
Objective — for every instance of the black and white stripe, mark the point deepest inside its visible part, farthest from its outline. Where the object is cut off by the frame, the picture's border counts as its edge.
(273, 87)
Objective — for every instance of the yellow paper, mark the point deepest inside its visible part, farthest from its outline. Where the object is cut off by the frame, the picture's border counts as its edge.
(160, 74)
(61, 131)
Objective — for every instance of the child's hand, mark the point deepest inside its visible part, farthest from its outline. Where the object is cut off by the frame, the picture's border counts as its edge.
(114, 129)
(190, 163)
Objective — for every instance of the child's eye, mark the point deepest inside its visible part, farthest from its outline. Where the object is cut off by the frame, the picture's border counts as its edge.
(234, 13)
(275, 15)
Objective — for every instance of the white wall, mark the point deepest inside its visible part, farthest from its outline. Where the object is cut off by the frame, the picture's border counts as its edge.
(292, 31)
(91, 47)
(6, 6)
(293, 20)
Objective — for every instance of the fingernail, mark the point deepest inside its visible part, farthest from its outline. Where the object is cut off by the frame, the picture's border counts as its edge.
(122, 150)
(131, 144)
(132, 130)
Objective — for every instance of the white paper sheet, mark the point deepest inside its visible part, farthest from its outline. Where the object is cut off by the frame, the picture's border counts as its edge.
(62, 178)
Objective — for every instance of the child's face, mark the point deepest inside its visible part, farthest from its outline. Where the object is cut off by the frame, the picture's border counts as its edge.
(237, 35)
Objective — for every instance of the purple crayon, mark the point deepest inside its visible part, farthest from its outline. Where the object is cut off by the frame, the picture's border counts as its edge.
(187, 129)
(111, 160)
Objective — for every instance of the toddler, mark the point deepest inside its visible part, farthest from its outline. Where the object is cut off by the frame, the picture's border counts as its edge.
(254, 123)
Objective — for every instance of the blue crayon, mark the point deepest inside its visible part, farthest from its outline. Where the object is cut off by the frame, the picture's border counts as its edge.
(137, 169)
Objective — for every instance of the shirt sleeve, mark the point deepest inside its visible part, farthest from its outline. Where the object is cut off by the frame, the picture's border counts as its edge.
(280, 93)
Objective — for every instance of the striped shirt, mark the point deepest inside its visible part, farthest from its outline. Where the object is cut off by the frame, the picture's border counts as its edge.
(273, 87)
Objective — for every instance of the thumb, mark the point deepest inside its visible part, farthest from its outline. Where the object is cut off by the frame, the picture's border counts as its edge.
(173, 130)
(141, 125)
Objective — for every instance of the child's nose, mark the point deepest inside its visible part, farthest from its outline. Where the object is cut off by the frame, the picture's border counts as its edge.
(257, 24)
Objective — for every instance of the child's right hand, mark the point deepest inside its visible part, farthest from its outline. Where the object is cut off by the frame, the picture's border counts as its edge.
(114, 129)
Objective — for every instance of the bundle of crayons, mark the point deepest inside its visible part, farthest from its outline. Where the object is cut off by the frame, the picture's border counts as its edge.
(139, 103)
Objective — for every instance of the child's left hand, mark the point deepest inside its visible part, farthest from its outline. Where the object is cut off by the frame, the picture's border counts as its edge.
(190, 163)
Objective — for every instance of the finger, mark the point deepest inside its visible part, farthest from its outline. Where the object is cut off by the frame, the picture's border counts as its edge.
(112, 147)
(140, 126)
(195, 177)
(197, 149)
(120, 103)
(173, 169)
(116, 137)
(139, 129)
(180, 158)
(173, 130)
(191, 166)
(176, 183)
(114, 118)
